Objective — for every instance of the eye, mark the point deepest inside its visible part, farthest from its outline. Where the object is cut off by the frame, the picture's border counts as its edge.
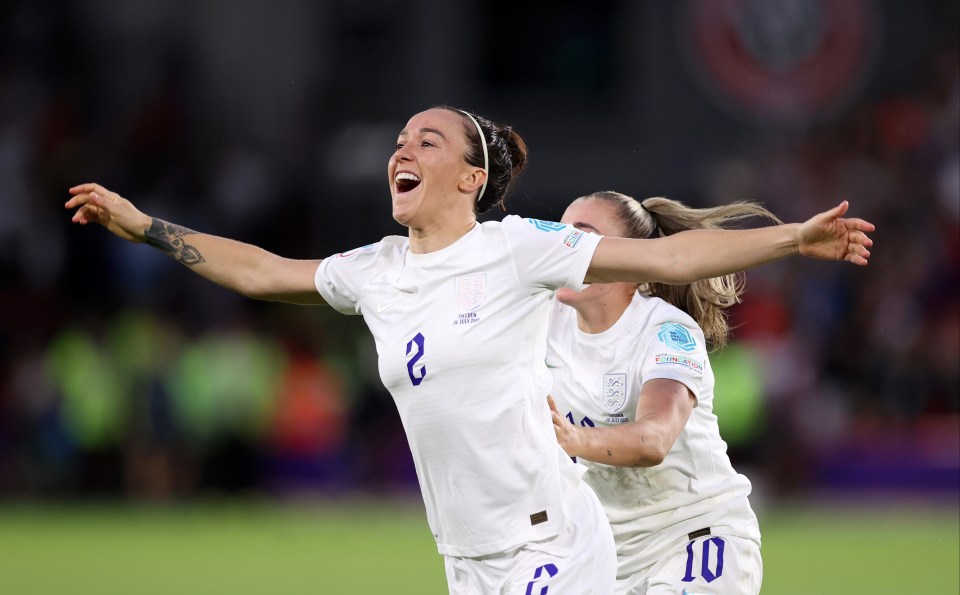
(427, 143)
(399, 146)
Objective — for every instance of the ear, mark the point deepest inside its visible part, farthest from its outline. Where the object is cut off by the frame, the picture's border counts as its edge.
(472, 182)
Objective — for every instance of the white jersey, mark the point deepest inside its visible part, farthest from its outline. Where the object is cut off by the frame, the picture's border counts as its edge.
(461, 340)
(597, 381)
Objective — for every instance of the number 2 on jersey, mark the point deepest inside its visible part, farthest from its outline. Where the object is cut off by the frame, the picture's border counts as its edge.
(414, 353)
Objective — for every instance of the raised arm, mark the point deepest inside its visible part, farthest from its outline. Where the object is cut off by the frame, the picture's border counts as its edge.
(663, 409)
(243, 268)
(701, 254)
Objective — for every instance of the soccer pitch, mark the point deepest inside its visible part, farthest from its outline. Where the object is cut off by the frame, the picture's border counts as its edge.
(385, 547)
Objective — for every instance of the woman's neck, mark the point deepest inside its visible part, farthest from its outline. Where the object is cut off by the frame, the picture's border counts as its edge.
(438, 235)
(602, 312)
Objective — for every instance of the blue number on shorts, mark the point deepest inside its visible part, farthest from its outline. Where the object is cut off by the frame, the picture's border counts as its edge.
(416, 376)
(705, 571)
(551, 571)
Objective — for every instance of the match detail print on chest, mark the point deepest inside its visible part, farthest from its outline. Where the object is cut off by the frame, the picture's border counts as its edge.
(469, 293)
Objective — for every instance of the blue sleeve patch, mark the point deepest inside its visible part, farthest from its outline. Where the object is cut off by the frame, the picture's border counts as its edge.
(676, 336)
(547, 225)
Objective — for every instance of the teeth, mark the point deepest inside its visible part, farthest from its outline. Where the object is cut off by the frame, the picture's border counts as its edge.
(407, 176)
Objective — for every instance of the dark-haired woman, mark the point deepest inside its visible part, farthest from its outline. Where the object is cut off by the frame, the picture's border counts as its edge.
(458, 311)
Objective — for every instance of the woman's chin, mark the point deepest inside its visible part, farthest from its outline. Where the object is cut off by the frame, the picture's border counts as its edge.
(402, 215)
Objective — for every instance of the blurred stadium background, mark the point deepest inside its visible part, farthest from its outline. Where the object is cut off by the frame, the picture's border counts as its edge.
(160, 435)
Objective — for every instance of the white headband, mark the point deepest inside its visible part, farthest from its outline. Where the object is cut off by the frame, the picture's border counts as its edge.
(486, 157)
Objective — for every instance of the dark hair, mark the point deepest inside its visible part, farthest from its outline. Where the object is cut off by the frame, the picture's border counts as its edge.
(507, 153)
(707, 300)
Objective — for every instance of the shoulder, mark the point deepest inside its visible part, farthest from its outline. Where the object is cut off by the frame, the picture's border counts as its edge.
(389, 244)
(543, 232)
(656, 320)
(673, 328)
(530, 225)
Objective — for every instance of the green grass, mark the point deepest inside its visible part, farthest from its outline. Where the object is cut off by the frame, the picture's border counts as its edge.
(358, 548)
(869, 550)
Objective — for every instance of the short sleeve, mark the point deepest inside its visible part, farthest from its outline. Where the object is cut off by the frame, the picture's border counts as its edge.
(340, 278)
(676, 351)
(549, 254)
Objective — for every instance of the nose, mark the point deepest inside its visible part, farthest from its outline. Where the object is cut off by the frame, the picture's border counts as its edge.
(402, 154)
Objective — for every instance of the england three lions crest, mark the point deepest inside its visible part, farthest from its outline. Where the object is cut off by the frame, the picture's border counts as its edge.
(614, 392)
(471, 291)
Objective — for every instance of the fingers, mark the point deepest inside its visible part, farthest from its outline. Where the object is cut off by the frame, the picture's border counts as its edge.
(90, 192)
(859, 224)
(857, 254)
(84, 215)
(838, 211)
(82, 199)
(558, 422)
(860, 238)
(552, 404)
(857, 260)
(88, 188)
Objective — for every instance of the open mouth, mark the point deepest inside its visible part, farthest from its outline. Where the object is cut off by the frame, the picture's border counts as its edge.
(406, 182)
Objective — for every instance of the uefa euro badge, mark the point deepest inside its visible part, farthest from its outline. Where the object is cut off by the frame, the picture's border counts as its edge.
(471, 291)
(676, 336)
(614, 392)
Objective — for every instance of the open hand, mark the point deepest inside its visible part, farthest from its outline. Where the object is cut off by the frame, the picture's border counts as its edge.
(96, 204)
(831, 237)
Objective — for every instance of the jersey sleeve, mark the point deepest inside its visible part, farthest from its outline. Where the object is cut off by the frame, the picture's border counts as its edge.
(340, 278)
(676, 351)
(547, 254)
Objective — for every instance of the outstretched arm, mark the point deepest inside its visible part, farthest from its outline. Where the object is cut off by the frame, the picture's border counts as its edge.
(243, 268)
(663, 409)
(702, 254)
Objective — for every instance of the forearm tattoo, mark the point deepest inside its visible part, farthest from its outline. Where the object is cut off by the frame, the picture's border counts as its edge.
(168, 238)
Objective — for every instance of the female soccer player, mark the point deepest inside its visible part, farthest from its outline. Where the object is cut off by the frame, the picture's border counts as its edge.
(633, 400)
(458, 312)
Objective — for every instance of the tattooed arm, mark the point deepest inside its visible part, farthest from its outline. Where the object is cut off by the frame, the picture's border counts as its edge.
(243, 268)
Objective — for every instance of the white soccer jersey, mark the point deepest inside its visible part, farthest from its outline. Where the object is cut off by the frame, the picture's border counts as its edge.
(597, 382)
(461, 340)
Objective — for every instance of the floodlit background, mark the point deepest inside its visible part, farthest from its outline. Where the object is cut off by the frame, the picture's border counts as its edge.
(159, 434)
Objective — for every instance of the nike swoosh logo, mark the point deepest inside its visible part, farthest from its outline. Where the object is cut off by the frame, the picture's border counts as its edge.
(383, 308)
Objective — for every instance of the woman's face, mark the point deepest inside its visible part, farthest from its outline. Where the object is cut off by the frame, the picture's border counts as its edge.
(600, 217)
(428, 172)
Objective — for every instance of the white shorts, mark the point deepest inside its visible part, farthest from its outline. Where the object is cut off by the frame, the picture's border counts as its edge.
(581, 560)
(712, 564)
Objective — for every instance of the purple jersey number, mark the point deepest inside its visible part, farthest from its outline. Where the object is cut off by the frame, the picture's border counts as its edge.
(414, 353)
(709, 574)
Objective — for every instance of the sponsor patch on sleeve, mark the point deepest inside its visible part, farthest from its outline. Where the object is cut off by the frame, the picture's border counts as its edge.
(673, 359)
(572, 238)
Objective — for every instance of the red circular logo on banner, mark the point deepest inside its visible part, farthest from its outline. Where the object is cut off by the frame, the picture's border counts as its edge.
(791, 60)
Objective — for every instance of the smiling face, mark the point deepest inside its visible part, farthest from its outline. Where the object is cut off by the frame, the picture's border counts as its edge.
(600, 217)
(430, 179)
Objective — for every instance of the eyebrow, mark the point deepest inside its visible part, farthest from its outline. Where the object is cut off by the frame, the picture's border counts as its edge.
(582, 225)
(422, 130)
